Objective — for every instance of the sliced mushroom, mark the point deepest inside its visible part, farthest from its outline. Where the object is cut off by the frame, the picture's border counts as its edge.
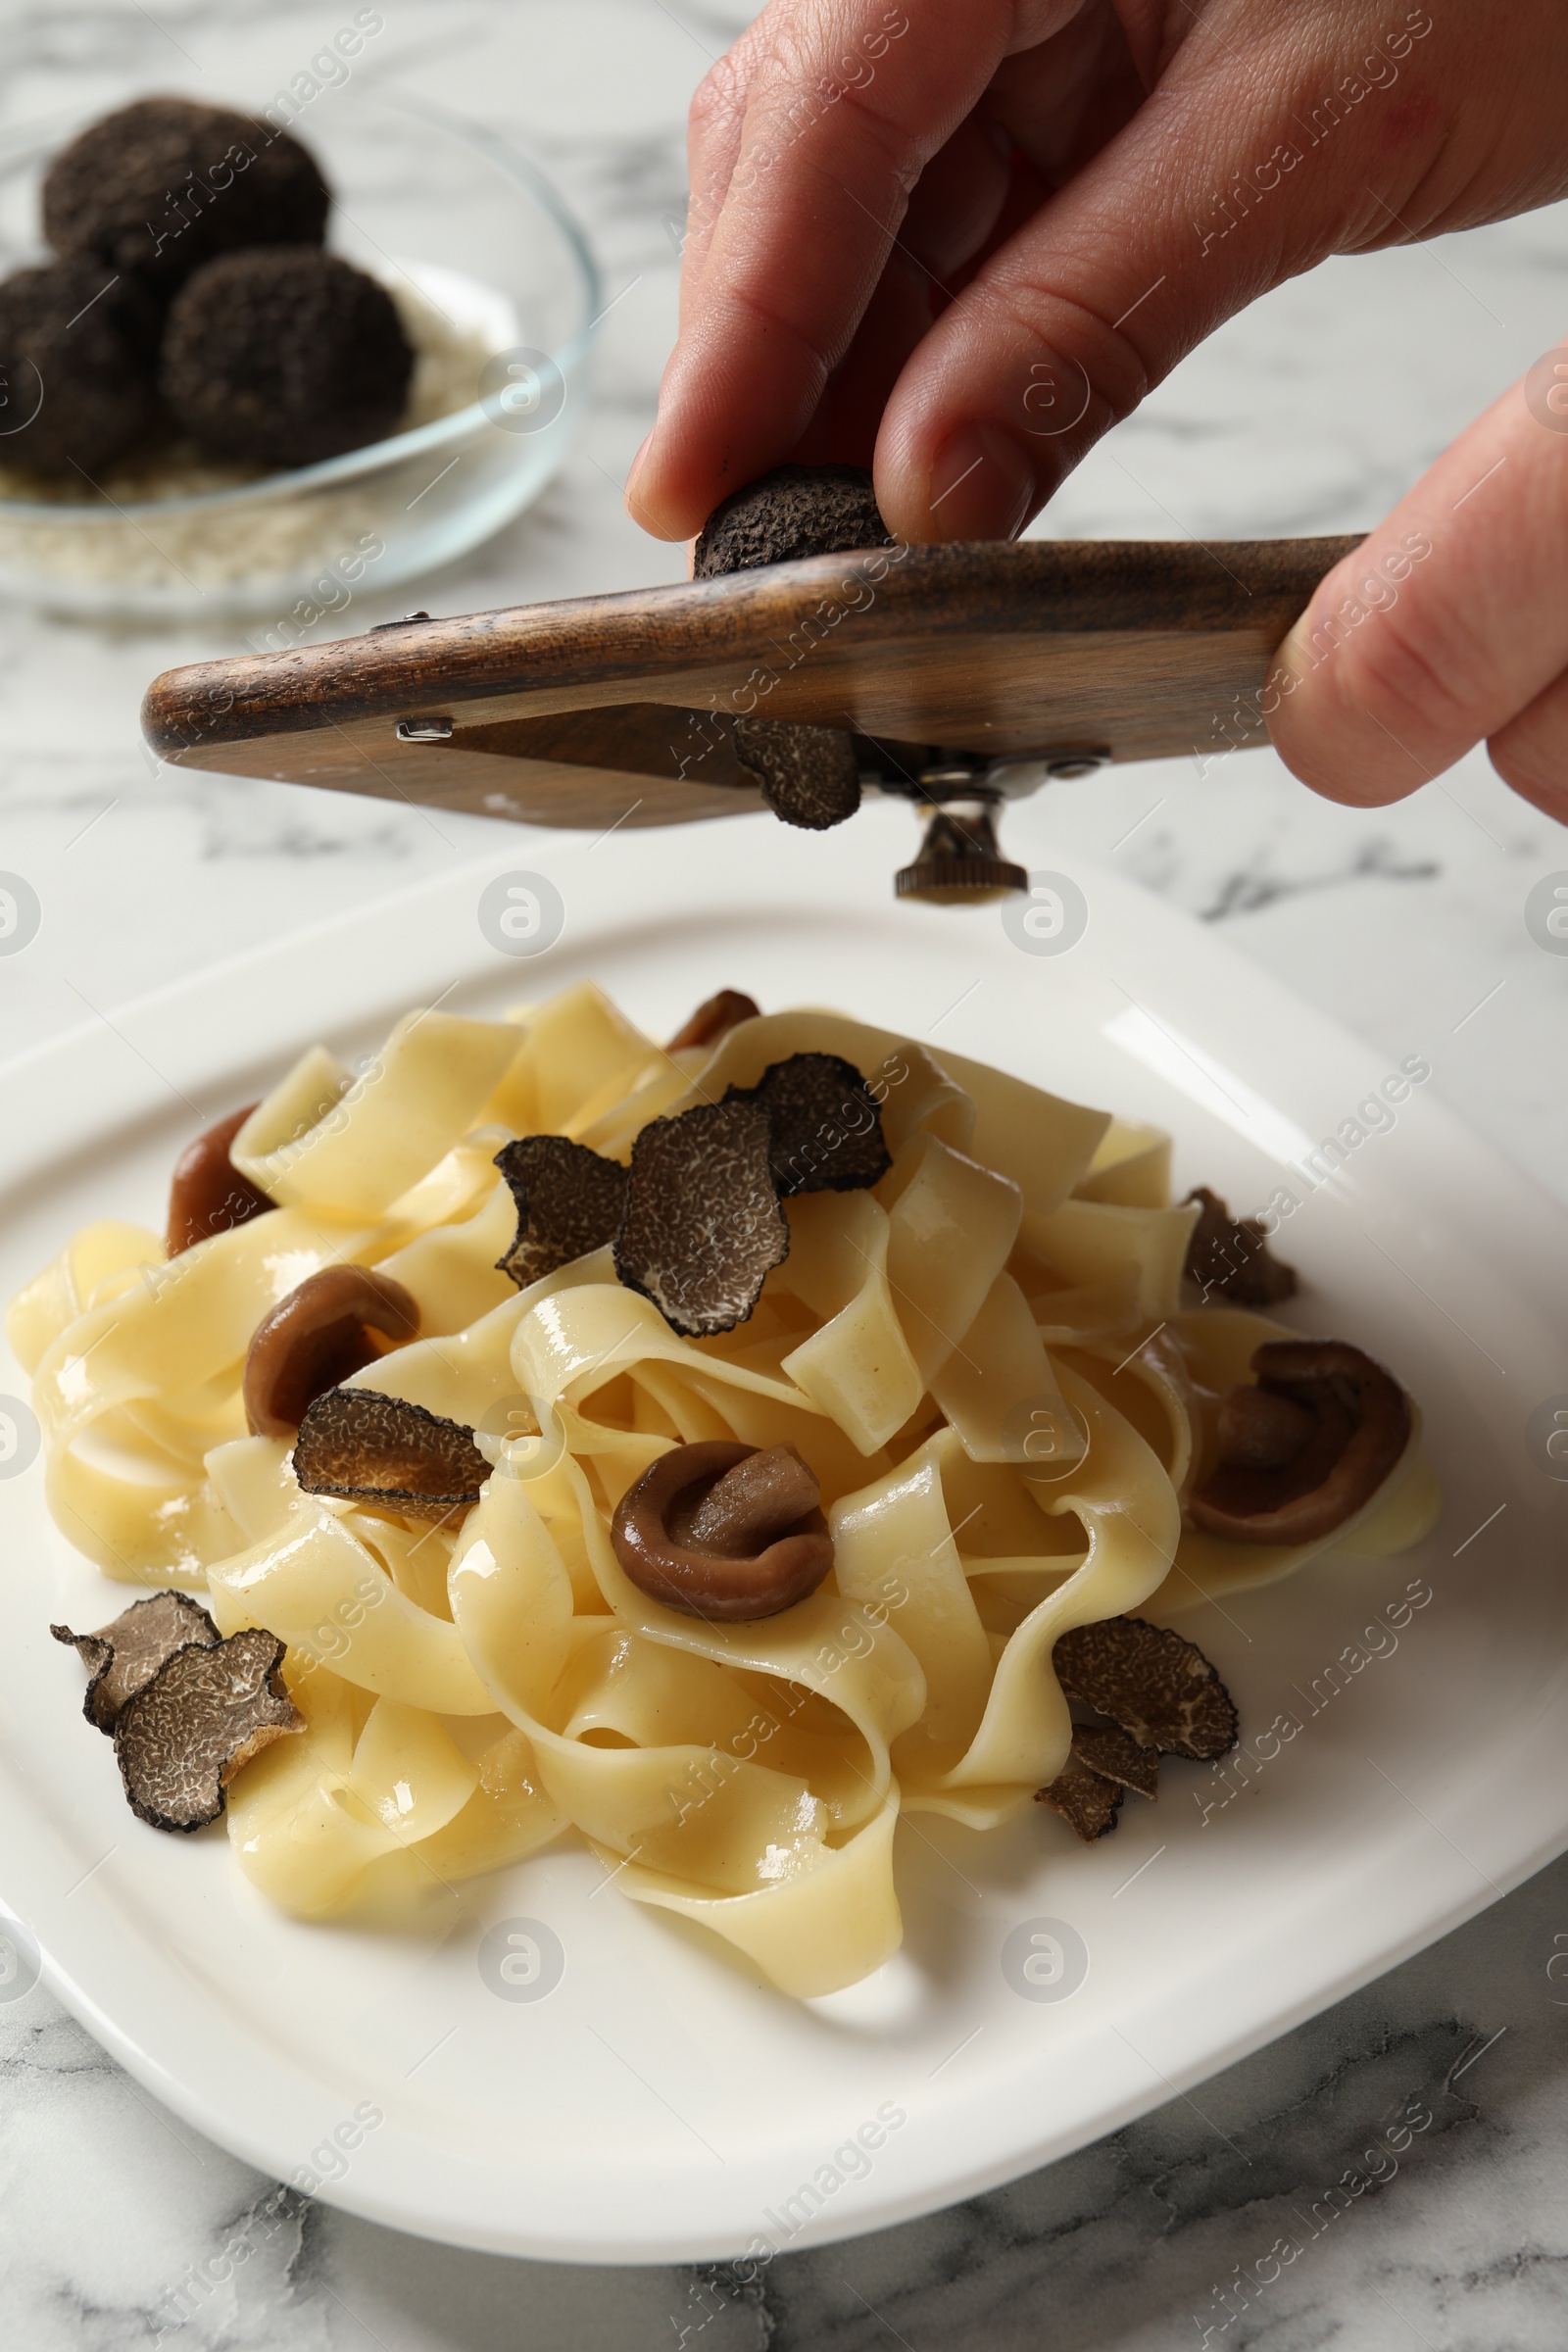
(726, 1531)
(713, 1019)
(1305, 1448)
(207, 1194)
(315, 1337)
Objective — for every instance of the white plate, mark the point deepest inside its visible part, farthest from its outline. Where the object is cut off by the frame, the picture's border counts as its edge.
(658, 2104)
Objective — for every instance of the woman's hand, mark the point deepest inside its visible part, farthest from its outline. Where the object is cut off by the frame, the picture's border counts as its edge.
(960, 238)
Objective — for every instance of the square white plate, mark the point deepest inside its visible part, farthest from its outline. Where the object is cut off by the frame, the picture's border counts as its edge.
(658, 2104)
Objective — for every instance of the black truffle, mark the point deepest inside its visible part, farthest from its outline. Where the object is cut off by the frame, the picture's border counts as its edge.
(810, 776)
(164, 184)
(793, 512)
(284, 356)
(823, 1122)
(702, 1225)
(1086, 1800)
(389, 1455)
(1159, 1688)
(121, 1658)
(74, 383)
(206, 1711)
(569, 1201)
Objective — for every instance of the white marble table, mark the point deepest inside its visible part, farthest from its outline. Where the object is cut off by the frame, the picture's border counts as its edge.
(1309, 415)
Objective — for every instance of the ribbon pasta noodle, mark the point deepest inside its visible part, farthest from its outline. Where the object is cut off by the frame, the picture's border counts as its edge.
(984, 1359)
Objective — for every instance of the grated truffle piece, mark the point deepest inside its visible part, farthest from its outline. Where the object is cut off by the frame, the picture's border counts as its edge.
(75, 382)
(284, 356)
(1116, 1756)
(810, 776)
(824, 1122)
(714, 1017)
(121, 1658)
(387, 1454)
(702, 1225)
(1159, 1688)
(1231, 1256)
(569, 1201)
(163, 184)
(1086, 1800)
(206, 1711)
(793, 512)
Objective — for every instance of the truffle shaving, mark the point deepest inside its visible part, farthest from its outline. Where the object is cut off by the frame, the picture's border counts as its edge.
(825, 1126)
(206, 1711)
(1116, 1756)
(702, 1225)
(1159, 1688)
(389, 1455)
(1086, 1800)
(1231, 1256)
(569, 1201)
(121, 1658)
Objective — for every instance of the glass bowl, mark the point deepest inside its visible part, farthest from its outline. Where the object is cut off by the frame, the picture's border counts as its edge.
(499, 294)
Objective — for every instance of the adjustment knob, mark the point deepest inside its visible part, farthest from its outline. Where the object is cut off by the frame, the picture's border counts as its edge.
(960, 863)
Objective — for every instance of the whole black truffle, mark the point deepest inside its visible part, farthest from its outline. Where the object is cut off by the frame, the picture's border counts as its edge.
(284, 356)
(74, 382)
(164, 184)
(795, 511)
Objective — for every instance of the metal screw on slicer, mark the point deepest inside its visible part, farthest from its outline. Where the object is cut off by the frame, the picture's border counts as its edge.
(522, 391)
(20, 1961)
(1547, 913)
(1052, 919)
(1045, 1960)
(21, 913)
(521, 1959)
(20, 1437)
(521, 913)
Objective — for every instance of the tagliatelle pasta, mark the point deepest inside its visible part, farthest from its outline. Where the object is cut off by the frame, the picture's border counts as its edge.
(984, 1358)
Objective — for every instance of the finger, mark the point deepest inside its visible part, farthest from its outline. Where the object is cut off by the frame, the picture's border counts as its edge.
(1531, 753)
(1216, 188)
(843, 109)
(1444, 625)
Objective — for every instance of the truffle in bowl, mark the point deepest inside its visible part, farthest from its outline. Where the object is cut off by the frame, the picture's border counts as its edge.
(467, 276)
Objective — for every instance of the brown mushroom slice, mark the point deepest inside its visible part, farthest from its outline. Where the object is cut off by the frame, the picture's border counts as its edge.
(206, 1193)
(1305, 1450)
(825, 1125)
(1086, 1801)
(1158, 1688)
(206, 1711)
(1231, 1256)
(569, 1201)
(121, 1658)
(724, 1531)
(703, 1226)
(315, 1337)
(714, 1017)
(1113, 1753)
(387, 1454)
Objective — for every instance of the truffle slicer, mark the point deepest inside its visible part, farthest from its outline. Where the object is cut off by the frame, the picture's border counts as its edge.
(966, 675)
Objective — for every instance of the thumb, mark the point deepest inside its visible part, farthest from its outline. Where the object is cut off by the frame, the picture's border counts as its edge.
(1248, 161)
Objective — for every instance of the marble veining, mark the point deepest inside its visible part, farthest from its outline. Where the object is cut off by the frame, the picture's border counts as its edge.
(1211, 2222)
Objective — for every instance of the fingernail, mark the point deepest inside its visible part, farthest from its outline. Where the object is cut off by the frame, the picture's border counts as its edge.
(981, 486)
(637, 463)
